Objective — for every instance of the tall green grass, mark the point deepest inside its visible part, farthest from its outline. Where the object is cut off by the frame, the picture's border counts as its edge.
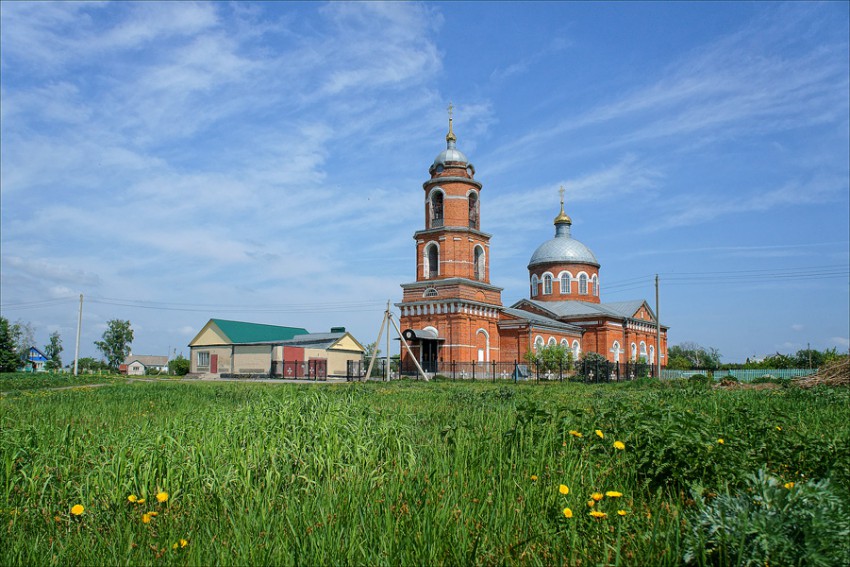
(392, 474)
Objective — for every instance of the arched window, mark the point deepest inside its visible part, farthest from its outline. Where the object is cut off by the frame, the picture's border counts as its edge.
(482, 338)
(538, 343)
(553, 341)
(582, 284)
(473, 210)
(478, 263)
(594, 285)
(615, 348)
(651, 354)
(566, 283)
(432, 261)
(436, 209)
(565, 343)
(547, 284)
(643, 357)
(430, 292)
(576, 350)
(534, 282)
(634, 351)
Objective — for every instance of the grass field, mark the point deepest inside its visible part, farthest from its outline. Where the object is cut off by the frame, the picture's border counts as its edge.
(423, 474)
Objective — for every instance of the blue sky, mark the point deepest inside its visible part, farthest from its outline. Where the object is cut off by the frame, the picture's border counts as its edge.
(264, 162)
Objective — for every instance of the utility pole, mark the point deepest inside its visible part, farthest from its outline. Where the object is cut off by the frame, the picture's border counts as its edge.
(389, 375)
(79, 326)
(657, 332)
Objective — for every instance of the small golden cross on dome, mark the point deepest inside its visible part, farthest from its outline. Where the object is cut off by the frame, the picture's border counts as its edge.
(561, 191)
(451, 110)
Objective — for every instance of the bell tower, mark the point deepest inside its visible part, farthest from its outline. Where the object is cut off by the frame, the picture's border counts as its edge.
(451, 310)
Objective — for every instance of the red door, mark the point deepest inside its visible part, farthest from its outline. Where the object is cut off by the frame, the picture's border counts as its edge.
(214, 364)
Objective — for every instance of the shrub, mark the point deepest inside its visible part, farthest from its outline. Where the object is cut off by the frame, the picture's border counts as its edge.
(699, 379)
(769, 523)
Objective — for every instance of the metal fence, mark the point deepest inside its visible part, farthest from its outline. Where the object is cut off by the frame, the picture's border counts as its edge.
(580, 371)
(741, 375)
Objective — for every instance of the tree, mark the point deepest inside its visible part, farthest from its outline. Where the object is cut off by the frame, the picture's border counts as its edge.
(550, 358)
(52, 351)
(9, 359)
(691, 355)
(178, 366)
(26, 339)
(116, 342)
(371, 349)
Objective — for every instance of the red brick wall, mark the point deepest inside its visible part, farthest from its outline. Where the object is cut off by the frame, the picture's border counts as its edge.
(555, 270)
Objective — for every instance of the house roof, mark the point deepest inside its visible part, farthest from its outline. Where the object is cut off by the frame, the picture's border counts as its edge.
(240, 332)
(618, 309)
(147, 359)
(537, 319)
(37, 356)
(315, 340)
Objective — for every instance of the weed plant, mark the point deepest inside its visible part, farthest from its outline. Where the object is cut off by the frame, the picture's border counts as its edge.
(404, 473)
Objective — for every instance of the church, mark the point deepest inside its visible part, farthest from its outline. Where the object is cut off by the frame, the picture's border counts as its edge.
(452, 313)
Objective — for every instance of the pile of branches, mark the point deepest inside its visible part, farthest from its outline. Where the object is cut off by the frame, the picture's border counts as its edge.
(835, 373)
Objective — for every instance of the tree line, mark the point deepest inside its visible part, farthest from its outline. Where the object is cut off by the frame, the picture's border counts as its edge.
(689, 356)
(115, 345)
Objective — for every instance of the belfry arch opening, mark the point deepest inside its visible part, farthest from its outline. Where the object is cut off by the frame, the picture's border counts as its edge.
(473, 210)
(478, 263)
(436, 209)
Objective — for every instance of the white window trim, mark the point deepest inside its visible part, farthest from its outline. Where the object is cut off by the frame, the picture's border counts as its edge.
(569, 287)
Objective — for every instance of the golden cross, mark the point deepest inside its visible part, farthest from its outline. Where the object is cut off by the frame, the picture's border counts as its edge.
(561, 191)
(451, 109)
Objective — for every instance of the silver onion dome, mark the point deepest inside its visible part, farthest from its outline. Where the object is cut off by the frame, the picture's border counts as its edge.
(562, 249)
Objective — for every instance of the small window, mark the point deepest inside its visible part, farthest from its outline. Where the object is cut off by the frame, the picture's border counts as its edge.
(615, 348)
(566, 282)
(547, 285)
(594, 285)
(430, 292)
(534, 282)
(576, 350)
(203, 359)
(553, 341)
(582, 284)
(634, 351)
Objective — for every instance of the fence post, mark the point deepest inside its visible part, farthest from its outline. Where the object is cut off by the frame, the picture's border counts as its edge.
(473, 371)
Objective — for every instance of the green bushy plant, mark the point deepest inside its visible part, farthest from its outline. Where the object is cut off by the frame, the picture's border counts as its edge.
(770, 523)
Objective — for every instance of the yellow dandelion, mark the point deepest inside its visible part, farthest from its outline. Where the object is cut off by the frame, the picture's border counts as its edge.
(621, 512)
(146, 518)
(613, 494)
(597, 496)
(183, 543)
(162, 497)
(77, 509)
(600, 434)
(568, 513)
(789, 485)
(598, 514)
(720, 441)
(132, 498)
(534, 477)
(619, 445)
(153, 514)
(140, 501)
(564, 489)
(590, 503)
(575, 433)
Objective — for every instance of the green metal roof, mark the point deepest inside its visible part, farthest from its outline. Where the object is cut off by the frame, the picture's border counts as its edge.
(239, 332)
